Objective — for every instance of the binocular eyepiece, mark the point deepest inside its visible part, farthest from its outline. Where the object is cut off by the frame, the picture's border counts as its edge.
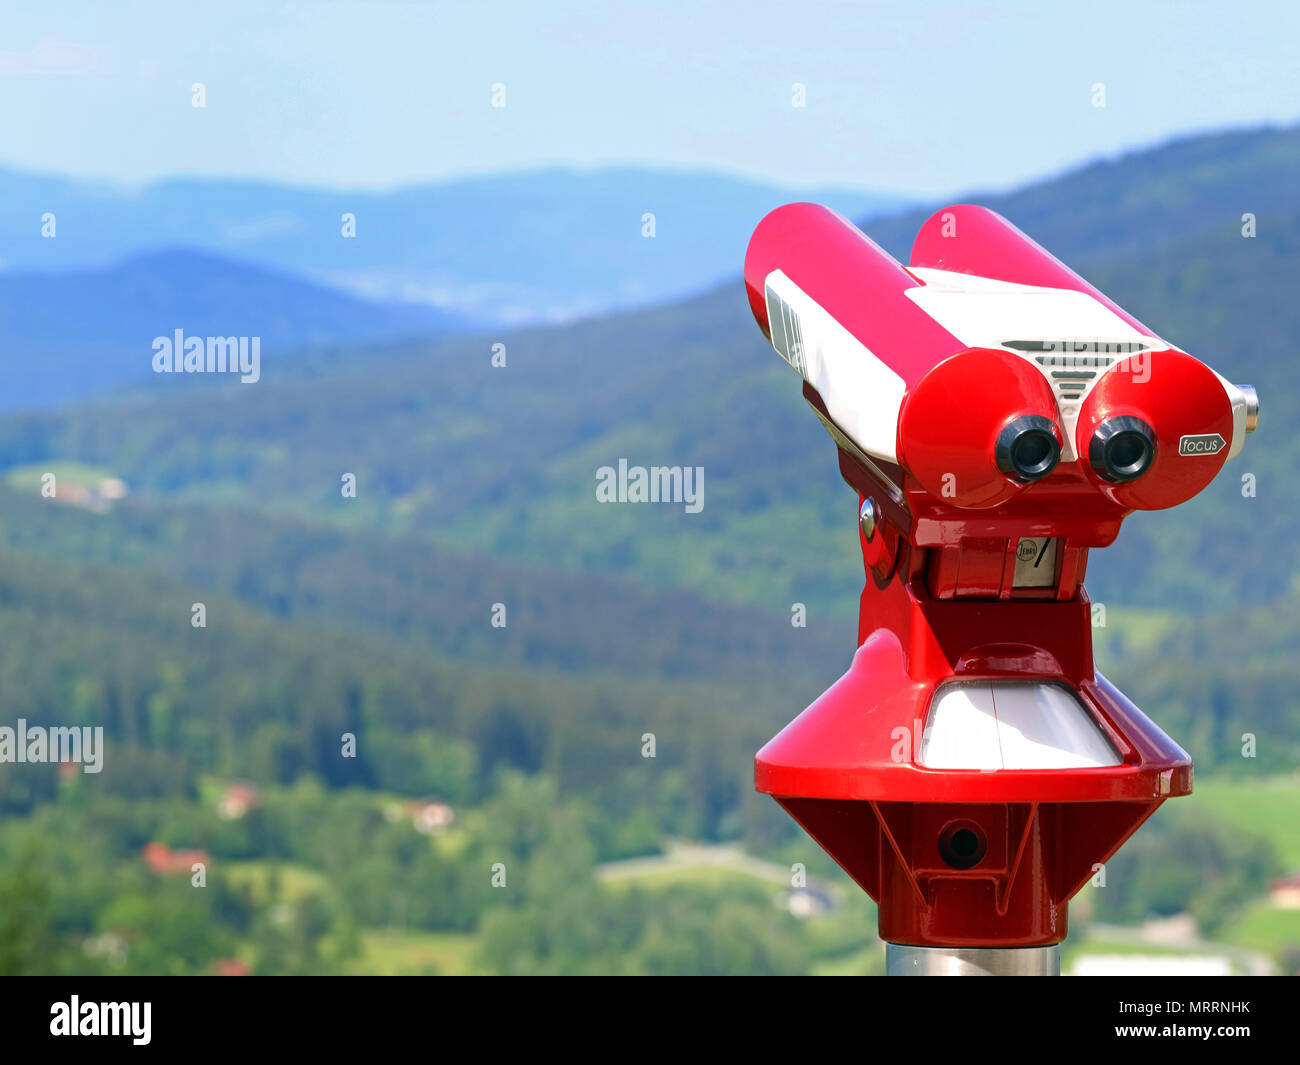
(1028, 449)
(1122, 449)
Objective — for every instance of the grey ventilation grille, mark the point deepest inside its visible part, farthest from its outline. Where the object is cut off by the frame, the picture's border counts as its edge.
(1072, 374)
(1072, 365)
(787, 331)
(1079, 347)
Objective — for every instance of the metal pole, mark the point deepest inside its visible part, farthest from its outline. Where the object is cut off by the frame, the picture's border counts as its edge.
(904, 960)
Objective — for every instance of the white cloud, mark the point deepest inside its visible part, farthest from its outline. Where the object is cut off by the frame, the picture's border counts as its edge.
(47, 59)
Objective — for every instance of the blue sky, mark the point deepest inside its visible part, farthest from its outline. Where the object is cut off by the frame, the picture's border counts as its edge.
(923, 98)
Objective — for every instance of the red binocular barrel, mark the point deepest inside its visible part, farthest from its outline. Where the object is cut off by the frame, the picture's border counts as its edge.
(986, 363)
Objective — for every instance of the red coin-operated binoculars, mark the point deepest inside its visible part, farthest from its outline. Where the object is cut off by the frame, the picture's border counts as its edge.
(998, 417)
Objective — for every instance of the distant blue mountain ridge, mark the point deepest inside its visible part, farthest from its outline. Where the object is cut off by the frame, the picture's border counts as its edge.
(531, 246)
(68, 335)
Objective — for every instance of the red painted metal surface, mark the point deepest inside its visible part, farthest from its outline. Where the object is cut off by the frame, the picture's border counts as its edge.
(940, 604)
(1176, 395)
(855, 280)
(951, 419)
(967, 239)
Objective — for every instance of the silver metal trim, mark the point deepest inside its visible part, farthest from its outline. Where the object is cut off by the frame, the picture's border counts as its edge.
(842, 440)
(867, 519)
(1252, 406)
(904, 960)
